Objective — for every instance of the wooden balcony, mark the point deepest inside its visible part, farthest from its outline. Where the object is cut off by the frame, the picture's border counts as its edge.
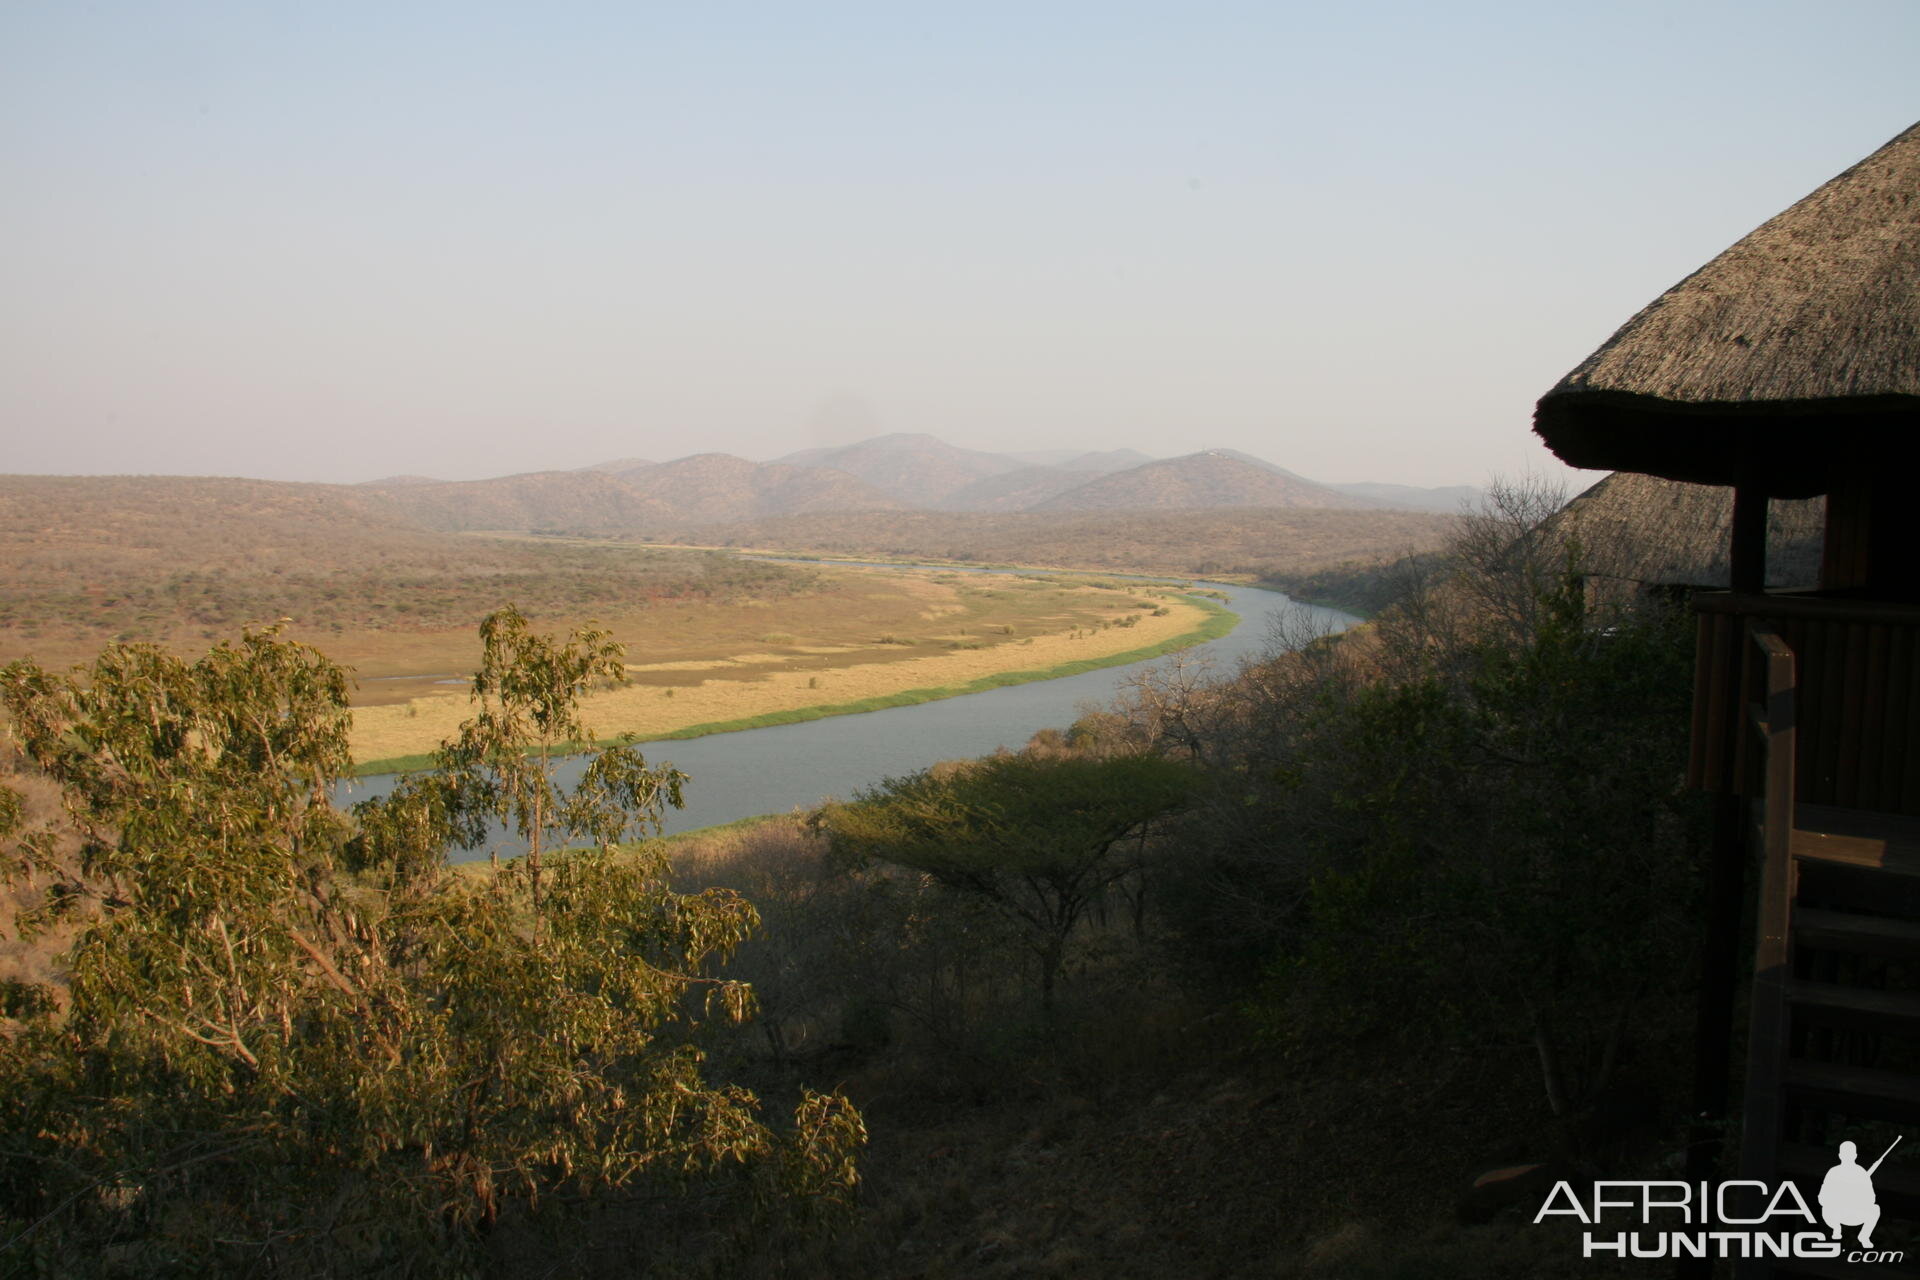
(1834, 1014)
(1858, 703)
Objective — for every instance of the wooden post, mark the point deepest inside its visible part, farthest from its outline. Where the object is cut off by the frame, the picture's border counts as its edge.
(1747, 552)
(1772, 952)
(1726, 888)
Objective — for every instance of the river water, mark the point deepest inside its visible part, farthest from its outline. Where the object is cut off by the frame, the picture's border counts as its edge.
(782, 767)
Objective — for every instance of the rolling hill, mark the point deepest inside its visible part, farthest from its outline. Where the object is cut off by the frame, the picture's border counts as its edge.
(1101, 460)
(1021, 490)
(1213, 478)
(711, 487)
(919, 470)
(538, 500)
(704, 488)
(616, 466)
(903, 471)
(154, 519)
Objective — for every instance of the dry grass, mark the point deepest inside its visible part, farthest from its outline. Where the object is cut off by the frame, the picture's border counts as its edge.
(713, 638)
(186, 561)
(867, 634)
(34, 961)
(1245, 542)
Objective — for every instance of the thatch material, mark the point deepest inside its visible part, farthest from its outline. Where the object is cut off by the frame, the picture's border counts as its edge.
(1799, 344)
(1638, 531)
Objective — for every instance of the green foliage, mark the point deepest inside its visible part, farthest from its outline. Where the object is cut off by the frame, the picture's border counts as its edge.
(292, 1039)
(24, 852)
(1037, 836)
(527, 694)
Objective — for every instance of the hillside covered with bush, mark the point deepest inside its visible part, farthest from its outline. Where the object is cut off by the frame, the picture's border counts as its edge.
(1250, 972)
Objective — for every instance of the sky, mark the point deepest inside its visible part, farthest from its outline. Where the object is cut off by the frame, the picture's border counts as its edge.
(341, 241)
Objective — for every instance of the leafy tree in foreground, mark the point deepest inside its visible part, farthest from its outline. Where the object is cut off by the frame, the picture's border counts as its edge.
(527, 697)
(293, 1038)
(1038, 836)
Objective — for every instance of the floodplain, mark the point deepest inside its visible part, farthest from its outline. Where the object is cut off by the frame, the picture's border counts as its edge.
(856, 639)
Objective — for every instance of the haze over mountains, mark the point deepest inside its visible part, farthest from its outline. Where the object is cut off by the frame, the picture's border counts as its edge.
(901, 472)
(74, 543)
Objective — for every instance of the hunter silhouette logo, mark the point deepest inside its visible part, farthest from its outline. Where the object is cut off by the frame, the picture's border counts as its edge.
(1846, 1194)
(1741, 1218)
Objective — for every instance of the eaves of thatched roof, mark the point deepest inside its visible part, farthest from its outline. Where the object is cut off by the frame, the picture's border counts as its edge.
(1637, 530)
(1797, 347)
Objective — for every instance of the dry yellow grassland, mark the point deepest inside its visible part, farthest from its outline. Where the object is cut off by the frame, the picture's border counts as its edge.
(777, 672)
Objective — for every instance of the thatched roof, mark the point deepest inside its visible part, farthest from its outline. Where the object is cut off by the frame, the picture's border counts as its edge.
(1798, 345)
(1638, 531)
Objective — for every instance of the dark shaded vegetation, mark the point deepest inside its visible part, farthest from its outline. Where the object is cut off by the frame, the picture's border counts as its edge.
(1633, 532)
(1361, 587)
(1037, 838)
(1409, 904)
(1485, 835)
(1492, 847)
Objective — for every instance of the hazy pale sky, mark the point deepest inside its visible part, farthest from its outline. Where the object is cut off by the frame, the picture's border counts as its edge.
(339, 241)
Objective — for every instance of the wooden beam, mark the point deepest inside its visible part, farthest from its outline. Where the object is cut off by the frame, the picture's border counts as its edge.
(1725, 889)
(1767, 1011)
(1747, 551)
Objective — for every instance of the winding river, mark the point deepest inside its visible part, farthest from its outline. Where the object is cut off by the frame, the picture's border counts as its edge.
(776, 769)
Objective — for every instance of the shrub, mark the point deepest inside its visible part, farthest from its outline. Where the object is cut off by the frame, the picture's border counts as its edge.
(293, 1033)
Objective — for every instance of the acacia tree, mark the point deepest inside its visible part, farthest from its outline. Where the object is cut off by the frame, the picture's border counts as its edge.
(1040, 837)
(293, 1037)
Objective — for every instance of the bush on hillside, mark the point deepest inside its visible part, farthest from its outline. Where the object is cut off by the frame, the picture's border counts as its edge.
(292, 1038)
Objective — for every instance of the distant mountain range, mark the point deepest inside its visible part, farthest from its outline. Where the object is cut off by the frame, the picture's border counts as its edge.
(901, 472)
(1448, 498)
(1212, 478)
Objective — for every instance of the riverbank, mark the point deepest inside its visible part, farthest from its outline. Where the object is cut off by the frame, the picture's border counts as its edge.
(787, 767)
(702, 709)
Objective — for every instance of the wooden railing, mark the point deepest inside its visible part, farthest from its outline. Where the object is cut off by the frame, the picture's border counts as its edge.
(1858, 731)
(1771, 718)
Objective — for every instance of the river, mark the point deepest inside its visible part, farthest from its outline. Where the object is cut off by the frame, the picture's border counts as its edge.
(782, 767)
